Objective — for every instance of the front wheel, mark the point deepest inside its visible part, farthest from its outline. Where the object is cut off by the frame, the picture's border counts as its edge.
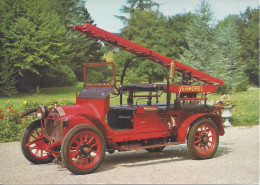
(34, 145)
(83, 149)
(203, 139)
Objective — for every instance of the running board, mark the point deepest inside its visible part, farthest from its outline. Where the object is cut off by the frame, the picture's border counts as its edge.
(129, 148)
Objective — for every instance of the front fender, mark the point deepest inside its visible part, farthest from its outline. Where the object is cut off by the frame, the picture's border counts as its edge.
(27, 112)
(78, 119)
(183, 129)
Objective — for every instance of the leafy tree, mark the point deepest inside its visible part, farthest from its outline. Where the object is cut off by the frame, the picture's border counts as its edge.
(35, 42)
(248, 29)
(7, 79)
(151, 29)
(214, 49)
(144, 28)
(201, 41)
(174, 34)
(132, 5)
(82, 48)
(38, 39)
(228, 47)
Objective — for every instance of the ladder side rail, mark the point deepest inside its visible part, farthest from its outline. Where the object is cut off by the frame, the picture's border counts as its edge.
(137, 49)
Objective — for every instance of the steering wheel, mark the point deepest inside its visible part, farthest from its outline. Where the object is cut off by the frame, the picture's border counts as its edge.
(115, 88)
(117, 91)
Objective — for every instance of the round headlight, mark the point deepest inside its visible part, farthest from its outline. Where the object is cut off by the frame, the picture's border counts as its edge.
(41, 111)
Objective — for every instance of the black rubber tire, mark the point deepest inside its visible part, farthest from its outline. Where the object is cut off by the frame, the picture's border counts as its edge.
(25, 150)
(190, 139)
(65, 149)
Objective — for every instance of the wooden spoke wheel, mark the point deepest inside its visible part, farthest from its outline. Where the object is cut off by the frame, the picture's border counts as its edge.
(83, 149)
(203, 139)
(34, 145)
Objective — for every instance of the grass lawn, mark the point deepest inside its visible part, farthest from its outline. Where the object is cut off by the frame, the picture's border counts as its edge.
(245, 111)
(246, 107)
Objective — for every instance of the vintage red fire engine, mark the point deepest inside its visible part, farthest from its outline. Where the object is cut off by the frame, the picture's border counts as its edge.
(81, 134)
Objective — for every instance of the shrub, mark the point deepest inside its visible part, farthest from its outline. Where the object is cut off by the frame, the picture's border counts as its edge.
(7, 79)
(11, 126)
(243, 86)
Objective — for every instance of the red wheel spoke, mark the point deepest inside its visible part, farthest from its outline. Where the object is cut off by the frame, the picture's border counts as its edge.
(37, 132)
(206, 129)
(86, 138)
(199, 132)
(34, 137)
(37, 145)
(88, 151)
(93, 145)
(80, 139)
(204, 139)
(81, 161)
(91, 139)
(196, 147)
(92, 158)
(195, 142)
(197, 137)
(77, 143)
(77, 159)
(36, 151)
(74, 154)
(34, 147)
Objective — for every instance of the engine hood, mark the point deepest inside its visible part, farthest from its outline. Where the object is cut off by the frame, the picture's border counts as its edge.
(79, 110)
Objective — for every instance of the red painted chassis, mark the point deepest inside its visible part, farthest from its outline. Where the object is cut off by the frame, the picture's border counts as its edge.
(80, 134)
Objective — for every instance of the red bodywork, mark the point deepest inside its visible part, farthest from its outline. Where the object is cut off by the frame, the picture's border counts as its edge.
(131, 127)
(151, 121)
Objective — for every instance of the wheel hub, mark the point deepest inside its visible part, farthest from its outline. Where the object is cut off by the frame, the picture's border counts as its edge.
(41, 145)
(84, 150)
(204, 139)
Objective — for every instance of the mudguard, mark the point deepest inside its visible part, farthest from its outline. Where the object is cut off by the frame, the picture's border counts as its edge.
(77, 119)
(183, 129)
(27, 112)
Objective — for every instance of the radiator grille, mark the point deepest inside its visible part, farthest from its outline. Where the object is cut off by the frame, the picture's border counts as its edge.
(53, 127)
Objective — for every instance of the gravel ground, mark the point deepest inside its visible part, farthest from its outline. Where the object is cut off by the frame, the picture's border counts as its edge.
(236, 162)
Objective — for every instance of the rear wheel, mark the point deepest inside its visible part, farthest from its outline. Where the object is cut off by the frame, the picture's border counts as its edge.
(203, 139)
(34, 144)
(83, 149)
